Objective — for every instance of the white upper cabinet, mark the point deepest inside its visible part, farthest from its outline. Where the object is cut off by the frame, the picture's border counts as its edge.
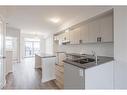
(93, 31)
(75, 36)
(84, 33)
(66, 36)
(99, 29)
(72, 37)
(60, 38)
(106, 28)
(63, 37)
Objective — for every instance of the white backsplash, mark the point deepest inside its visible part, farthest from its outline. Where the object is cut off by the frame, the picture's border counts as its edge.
(103, 49)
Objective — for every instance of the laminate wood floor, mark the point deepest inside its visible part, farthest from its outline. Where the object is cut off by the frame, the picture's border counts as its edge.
(24, 76)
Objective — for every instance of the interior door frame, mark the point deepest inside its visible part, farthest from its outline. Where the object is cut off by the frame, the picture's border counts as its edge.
(4, 54)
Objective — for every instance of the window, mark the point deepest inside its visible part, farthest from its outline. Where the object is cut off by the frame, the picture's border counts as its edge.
(32, 46)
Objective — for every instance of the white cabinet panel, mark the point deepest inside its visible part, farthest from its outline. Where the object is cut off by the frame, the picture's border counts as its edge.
(73, 77)
(75, 36)
(60, 39)
(84, 33)
(48, 69)
(106, 28)
(94, 31)
(99, 77)
(120, 79)
(71, 37)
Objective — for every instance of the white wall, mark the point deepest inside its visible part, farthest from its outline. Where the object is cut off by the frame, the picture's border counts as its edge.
(120, 47)
(120, 34)
(14, 32)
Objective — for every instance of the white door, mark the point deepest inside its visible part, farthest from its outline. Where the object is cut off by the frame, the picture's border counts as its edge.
(2, 76)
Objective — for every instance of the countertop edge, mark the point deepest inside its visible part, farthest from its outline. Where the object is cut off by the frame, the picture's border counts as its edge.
(87, 67)
(45, 56)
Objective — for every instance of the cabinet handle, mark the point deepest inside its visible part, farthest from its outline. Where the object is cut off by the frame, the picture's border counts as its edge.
(98, 39)
(80, 41)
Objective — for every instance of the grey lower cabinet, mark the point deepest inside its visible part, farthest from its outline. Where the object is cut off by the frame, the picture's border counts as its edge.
(97, 77)
(73, 77)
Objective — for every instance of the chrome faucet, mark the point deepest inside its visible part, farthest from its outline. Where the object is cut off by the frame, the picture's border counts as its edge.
(94, 54)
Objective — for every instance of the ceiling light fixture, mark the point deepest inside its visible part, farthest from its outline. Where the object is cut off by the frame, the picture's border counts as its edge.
(55, 20)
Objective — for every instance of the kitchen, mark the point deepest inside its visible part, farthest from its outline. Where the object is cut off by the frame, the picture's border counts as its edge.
(93, 39)
(85, 52)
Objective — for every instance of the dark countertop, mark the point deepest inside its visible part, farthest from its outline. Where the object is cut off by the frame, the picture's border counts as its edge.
(102, 60)
(60, 52)
(44, 55)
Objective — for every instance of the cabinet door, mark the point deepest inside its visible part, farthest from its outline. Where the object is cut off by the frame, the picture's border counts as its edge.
(2, 54)
(75, 36)
(106, 28)
(60, 37)
(63, 37)
(67, 36)
(120, 76)
(84, 33)
(94, 31)
(73, 77)
(72, 37)
(99, 77)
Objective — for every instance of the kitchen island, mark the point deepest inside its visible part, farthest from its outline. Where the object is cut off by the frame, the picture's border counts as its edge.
(47, 63)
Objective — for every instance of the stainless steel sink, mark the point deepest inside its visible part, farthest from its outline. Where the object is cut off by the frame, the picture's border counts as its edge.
(83, 61)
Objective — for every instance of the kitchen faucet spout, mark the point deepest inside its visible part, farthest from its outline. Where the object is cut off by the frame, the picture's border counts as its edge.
(94, 54)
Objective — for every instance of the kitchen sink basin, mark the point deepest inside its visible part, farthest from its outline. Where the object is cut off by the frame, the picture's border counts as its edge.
(83, 61)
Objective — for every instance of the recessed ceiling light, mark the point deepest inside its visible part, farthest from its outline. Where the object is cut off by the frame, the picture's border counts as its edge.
(55, 20)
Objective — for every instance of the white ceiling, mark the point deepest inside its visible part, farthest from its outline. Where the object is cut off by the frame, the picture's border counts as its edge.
(36, 18)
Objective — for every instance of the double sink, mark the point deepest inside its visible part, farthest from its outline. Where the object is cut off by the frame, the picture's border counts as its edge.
(86, 60)
(81, 58)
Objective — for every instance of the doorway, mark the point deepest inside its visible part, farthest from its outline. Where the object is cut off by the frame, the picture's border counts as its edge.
(2, 55)
(12, 45)
(32, 46)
